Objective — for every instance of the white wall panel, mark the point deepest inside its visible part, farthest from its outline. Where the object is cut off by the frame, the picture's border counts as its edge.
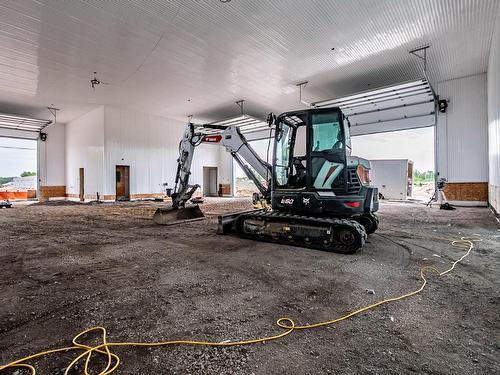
(85, 149)
(494, 118)
(149, 145)
(52, 156)
(462, 138)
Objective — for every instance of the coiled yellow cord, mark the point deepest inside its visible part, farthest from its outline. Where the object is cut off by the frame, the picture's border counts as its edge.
(113, 360)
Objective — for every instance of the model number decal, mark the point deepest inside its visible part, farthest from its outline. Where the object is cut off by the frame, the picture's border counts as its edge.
(288, 201)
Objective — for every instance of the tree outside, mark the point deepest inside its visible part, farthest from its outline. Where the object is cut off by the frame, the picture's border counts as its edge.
(422, 178)
(27, 174)
(5, 180)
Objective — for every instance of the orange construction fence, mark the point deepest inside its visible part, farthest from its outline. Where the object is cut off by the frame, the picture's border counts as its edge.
(13, 195)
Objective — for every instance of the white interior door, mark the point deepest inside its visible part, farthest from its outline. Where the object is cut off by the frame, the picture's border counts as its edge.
(213, 182)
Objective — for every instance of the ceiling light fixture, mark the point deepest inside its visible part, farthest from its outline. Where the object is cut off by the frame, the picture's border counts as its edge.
(225, 1)
(95, 82)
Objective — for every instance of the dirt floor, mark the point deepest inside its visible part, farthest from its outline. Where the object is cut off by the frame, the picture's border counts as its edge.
(245, 188)
(67, 267)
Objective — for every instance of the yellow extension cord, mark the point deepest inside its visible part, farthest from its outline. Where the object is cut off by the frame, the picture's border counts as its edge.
(113, 360)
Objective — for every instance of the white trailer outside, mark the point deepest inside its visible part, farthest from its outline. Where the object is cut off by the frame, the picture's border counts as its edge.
(393, 177)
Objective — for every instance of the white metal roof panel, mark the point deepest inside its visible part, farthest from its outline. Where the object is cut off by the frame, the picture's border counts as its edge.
(158, 54)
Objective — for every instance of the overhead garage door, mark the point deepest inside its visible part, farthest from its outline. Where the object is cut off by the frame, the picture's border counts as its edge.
(403, 106)
(251, 127)
(14, 126)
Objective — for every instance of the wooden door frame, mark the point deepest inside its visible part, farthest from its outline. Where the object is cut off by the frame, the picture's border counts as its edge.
(127, 189)
(81, 194)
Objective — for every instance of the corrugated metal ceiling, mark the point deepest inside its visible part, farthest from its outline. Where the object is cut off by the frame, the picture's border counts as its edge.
(175, 58)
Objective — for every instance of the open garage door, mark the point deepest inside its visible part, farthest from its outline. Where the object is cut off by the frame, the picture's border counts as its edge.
(18, 168)
(20, 151)
(401, 111)
(14, 126)
(408, 105)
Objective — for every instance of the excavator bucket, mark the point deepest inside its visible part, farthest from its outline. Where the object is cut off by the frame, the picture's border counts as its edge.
(172, 215)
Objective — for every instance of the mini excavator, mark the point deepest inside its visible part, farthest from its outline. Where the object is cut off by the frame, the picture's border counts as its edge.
(318, 195)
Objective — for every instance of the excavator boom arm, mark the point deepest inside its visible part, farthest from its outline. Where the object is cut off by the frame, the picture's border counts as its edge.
(256, 169)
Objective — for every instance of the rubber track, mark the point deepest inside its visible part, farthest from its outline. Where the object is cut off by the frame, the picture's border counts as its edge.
(375, 218)
(311, 220)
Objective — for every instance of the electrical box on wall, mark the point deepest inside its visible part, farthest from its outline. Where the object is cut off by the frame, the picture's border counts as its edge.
(442, 105)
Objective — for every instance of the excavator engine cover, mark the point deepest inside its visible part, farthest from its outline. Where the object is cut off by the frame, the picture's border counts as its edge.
(173, 215)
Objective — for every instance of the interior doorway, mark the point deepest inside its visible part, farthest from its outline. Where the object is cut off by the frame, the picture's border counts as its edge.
(82, 184)
(122, 183)
(210, 181)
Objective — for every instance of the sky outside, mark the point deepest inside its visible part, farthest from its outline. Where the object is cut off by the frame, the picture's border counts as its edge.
(17, 156)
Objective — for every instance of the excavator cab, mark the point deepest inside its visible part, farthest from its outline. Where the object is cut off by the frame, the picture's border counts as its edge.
(310, 151)
(314, 171)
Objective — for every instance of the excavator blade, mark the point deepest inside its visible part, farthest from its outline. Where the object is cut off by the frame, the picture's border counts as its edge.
(172, 216)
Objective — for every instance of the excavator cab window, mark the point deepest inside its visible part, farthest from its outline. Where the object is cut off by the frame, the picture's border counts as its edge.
(327, 132)
(298, 179)
(283, 144)
(328, 151)
(291, 153)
